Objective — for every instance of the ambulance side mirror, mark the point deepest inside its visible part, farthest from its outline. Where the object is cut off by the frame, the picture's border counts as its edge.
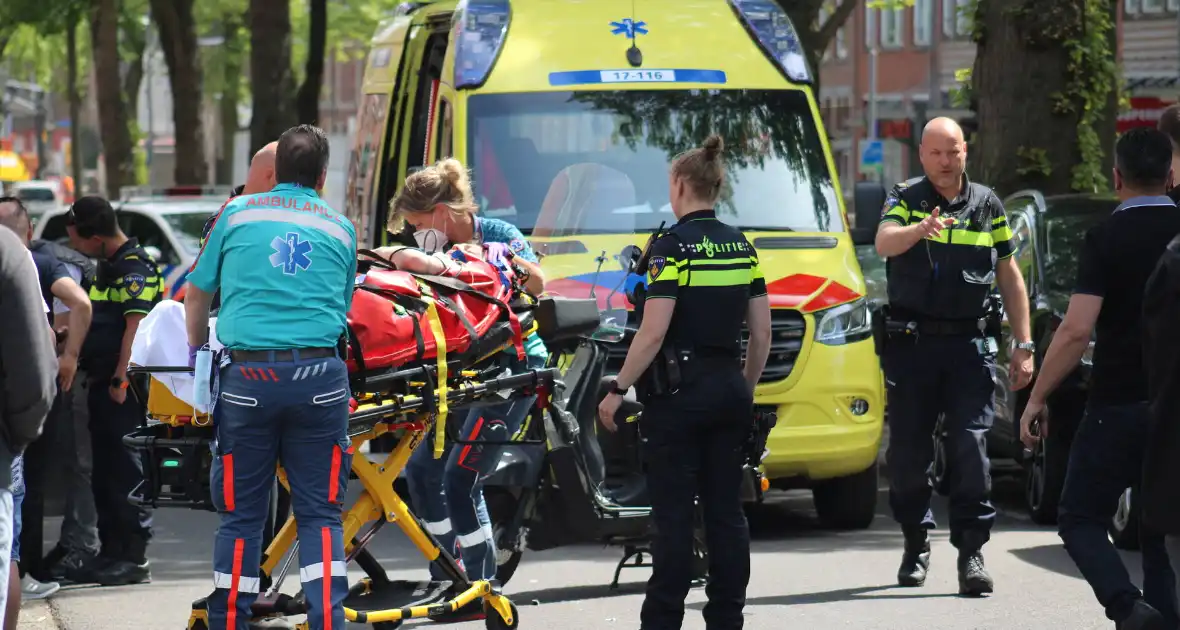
(868, 199)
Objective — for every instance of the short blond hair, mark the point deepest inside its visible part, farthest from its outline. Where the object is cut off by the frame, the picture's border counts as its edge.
(445, 182)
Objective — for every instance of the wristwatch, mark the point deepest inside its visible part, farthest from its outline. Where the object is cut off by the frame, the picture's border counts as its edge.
(1027, 345)
(614, 389)
(118, 383)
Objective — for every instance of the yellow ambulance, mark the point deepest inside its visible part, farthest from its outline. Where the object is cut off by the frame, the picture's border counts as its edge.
(568, 113)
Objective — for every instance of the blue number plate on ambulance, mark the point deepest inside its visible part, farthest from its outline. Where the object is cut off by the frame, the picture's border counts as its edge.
(582, 77)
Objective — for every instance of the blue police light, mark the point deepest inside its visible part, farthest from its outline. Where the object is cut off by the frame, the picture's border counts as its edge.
(479, 30)
(769, 24)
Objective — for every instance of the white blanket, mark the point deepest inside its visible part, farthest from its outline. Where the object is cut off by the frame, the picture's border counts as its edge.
(162, 340)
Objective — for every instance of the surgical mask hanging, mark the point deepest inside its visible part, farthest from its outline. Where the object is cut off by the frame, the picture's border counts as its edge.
(202, 373)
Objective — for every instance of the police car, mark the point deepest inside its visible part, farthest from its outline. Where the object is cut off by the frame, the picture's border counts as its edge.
(167, 222)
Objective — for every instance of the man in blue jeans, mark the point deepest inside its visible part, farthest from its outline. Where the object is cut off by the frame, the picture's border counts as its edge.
(1117, 257)
(284, 264)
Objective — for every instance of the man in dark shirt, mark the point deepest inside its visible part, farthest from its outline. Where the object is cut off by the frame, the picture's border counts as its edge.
(1170, 125)
(1106, 458)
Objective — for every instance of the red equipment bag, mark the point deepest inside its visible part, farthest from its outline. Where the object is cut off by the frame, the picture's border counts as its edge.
(390, 322)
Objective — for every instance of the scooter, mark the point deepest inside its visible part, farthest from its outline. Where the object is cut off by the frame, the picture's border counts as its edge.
(566, 483)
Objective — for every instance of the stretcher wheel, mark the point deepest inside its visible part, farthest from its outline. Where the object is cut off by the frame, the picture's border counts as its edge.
(493, 621)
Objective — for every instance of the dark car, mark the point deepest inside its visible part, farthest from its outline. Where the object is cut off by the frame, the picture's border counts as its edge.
(1048, 233)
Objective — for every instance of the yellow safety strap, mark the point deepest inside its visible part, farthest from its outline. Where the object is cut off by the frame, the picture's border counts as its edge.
(440, 345)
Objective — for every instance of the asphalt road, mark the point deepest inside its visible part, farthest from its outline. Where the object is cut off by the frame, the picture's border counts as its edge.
(803, 577)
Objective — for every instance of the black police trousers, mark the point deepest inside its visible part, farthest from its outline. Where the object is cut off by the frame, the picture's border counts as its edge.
(927, 376)
(124, 529)
(693, 447)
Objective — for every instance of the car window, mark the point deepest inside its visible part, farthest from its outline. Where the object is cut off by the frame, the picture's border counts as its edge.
(149, 234)
(34, 194)
(55, 229)
(1022, 245)
(187, 228)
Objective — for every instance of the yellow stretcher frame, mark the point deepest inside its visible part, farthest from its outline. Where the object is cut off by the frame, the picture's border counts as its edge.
(378, 500)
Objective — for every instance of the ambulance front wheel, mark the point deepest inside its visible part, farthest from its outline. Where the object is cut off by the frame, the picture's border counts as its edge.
(493, 621)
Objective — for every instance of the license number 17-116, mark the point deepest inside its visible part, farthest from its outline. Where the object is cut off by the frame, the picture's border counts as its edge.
(637, 76)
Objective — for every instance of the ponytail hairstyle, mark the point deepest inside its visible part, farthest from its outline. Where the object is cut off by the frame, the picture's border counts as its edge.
(445, 182)
(702, 169)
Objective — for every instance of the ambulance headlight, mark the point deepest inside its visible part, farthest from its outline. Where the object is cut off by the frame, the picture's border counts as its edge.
(770, 26)
(478, 29)
(844, 324)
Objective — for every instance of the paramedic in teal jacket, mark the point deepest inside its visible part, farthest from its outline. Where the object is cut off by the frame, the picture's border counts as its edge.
(448, 492)
(284, 263)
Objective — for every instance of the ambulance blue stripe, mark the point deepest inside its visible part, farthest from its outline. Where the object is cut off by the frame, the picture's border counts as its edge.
(585, 77)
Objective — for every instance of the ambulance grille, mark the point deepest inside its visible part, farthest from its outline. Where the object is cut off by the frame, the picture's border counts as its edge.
(787, 332)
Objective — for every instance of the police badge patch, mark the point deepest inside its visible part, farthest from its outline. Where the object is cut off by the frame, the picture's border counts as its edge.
(655, 267)
(890, 202)
(134, 283)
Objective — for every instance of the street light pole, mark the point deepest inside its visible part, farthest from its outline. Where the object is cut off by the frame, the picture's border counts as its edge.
(872, 33)
(148, 82)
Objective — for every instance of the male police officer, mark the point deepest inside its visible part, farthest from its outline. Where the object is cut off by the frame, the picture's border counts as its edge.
(946, 240)
(703, 282)
(127, 287)
(284, 264)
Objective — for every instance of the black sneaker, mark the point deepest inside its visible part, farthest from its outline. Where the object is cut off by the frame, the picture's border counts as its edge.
(1142, 617)
(973, 576)
(915, 560)
(124, 572)
(84, 569)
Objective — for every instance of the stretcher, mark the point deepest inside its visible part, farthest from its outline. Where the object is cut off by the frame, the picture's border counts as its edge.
(405, 400)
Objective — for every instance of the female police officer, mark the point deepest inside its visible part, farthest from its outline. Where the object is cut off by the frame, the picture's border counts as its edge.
(703, 282)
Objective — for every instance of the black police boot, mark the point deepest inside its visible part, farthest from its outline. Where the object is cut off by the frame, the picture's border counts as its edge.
(130, 568)
(973, 576)
(1142, 617)
(915, 561)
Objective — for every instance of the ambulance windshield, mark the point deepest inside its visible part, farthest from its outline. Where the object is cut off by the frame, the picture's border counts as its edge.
(566, 163)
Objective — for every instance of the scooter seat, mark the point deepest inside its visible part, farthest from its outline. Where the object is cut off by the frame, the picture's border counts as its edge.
(629, 492)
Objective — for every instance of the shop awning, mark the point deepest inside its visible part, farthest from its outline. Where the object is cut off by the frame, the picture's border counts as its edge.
(12, 168)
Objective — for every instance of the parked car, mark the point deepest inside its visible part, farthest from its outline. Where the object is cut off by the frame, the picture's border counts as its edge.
(168, 223)
(41, 197)
(1048, 233)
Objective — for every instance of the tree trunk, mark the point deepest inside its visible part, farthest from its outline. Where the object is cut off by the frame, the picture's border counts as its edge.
(112, 107)
(308, 99)
(230, 97)
(178, 38)
(270, 71)
(133, 78)
(1017, 124)
(75, 96)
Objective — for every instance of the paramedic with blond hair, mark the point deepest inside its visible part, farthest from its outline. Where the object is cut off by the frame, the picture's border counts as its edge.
(448, 492)
(284, 263)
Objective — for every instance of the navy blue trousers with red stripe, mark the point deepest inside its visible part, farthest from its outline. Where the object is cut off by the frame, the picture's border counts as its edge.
(447, 493)
(294, 412)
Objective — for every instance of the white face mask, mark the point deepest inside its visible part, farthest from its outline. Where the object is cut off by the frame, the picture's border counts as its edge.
(431, 240)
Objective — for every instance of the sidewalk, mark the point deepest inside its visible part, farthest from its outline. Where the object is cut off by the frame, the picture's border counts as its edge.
(37, 615)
